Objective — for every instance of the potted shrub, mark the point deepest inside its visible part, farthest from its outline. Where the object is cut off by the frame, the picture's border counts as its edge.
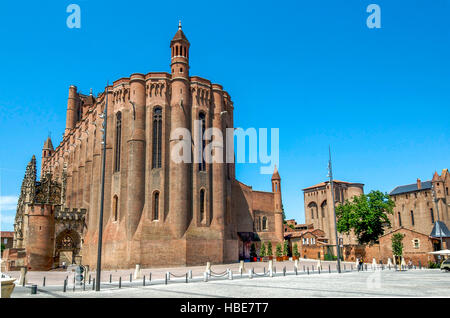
(253, 255)
(269, 250)
(279, 253)
(295, 253)
(285, 250)
(262, 252)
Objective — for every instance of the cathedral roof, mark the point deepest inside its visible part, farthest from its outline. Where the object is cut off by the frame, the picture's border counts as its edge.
(440, 230)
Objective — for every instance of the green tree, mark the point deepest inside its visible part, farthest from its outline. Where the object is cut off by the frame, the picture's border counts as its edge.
(2, 247)
(397, 244)
(269, 249)
(295, 250)
(366, 215)
(285, 248)
(279, 252)
(292, 226)
(262, 250)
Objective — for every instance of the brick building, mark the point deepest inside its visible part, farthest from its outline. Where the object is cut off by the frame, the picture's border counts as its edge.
(319, 212)
(157, 212)
(420, 205)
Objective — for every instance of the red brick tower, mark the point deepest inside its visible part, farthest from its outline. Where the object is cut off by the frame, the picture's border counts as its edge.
(72, 103)
(278, 205)
(40, 236)
(180, 108)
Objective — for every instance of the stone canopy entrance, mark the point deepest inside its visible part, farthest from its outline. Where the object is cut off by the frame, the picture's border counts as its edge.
(68, 244)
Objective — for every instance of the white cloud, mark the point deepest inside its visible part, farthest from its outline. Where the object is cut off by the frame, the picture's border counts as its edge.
(8, 203)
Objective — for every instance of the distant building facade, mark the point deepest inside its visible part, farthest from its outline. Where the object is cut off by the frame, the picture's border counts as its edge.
(319, 210)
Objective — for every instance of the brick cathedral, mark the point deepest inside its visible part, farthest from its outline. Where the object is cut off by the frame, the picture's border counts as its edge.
(156, 212)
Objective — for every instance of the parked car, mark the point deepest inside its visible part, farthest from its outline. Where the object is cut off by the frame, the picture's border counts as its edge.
(446, 265)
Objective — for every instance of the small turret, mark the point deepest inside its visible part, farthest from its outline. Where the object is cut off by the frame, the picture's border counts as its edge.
(72, 104)
(180, 54)
(47, 152)
(278, 204)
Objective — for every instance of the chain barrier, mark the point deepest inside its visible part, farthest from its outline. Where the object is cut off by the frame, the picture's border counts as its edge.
(214, 274)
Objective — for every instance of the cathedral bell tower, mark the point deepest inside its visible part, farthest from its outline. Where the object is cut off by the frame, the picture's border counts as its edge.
(180, 110)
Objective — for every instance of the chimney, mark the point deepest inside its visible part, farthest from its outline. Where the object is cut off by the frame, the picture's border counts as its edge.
(419, 184)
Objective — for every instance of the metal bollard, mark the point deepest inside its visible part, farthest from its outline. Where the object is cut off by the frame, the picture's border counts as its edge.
(110, 278)
(329, 269)
(165, 279)
(295, 269)
(190, 274)
(308, 269)
(230, 274)
(205, 276)
(250, 273)
(89, 278)
(143, 281)
(284, 271)
(240, 271)
(344, 268)
(186, 278)
(43, 282)
(318, 268)
(168, 275)
(65, 285)
(120, 282)
(93, 284)
(150, 278)
(131, 278)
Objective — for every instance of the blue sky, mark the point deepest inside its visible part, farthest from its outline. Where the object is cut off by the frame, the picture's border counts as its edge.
(313, 69)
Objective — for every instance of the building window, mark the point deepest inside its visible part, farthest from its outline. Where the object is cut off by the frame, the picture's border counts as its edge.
(399, 219)
(264, 223)
(313, 206)
(156, 206)
(412, 218)
(115, 207)
(416, 243)
(202, 118)
(118, 141)
(432, 216)
(202, 204)
(157, 137)
(323, 207)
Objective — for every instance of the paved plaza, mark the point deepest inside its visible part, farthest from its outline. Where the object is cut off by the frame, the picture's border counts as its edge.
(370, 283)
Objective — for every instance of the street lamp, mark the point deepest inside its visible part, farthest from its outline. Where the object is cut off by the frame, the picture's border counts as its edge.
(102, 194)
(330, 174)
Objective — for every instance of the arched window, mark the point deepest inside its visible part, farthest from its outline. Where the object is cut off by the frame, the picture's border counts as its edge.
(432, 216)
(264, 223)
(156, 206)
(115, 207)
(118, 141)
(202, 118)
(202, 204)
(313, 208)
(157, 137)
(323, 207)
(412, 218)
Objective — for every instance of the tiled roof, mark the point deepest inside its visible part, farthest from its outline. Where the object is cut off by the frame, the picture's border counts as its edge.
(411, 188)
(7, 234)
(322, 184)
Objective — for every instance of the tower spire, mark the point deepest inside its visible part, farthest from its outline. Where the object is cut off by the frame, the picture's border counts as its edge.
(179, 24)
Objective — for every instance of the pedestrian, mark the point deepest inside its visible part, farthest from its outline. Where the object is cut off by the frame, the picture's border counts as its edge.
(410, 264)
(361, 263)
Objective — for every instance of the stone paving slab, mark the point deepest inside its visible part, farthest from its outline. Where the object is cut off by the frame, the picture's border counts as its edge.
(367, 284)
